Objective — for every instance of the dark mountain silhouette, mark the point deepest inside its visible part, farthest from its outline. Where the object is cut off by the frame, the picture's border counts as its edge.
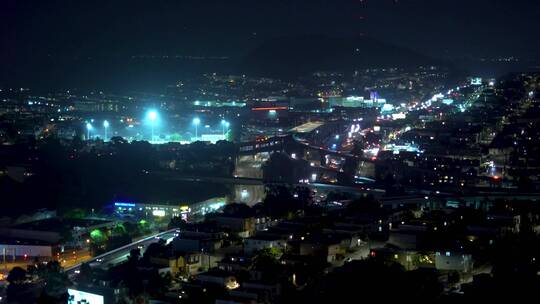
(300, 55)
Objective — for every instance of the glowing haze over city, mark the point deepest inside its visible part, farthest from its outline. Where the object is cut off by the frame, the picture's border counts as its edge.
(300, 151)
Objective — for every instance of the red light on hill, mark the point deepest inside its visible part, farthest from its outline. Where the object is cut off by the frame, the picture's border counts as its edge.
(269, 109)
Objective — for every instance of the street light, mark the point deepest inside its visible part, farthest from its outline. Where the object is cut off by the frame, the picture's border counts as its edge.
(196, 122)
(106, 126)
(152, 116)
(88, 129)
(224, 124)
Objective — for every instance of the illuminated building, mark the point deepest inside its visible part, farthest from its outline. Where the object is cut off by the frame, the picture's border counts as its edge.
(151, 210)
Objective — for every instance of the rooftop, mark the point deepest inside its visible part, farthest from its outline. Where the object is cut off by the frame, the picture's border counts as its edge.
(21, 241)
(58, 224)
(307, 127)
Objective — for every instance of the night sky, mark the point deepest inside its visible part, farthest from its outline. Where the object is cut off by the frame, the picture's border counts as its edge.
(32, 29)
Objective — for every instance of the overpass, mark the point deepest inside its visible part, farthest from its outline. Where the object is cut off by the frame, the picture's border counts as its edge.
(289, 143)
(251, 156)
(469, 199)
(174, 176)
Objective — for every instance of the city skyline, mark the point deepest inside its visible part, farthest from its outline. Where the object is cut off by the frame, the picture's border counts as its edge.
(269, 152)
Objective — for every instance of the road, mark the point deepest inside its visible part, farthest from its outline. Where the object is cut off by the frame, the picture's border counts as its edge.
(359, 253)
(471, 198)
(173, 176)
(120, 255)
(71, 258)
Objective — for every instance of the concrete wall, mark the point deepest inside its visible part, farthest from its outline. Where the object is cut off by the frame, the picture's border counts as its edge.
(29, 250)
(453, 261)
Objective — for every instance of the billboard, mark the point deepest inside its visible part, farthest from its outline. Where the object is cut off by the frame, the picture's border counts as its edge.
(80, 297)
(476, 81)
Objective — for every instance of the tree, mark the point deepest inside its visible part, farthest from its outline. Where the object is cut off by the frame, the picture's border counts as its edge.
(119, 230)
(267, 261)
(77, 142)
(17, 289)
(524, 182)
(371, 279)
(144, 226)
(226, 148)
(55, 283)
(237, 209)
(424, 285)
(176, 137)
(454, 277)
(98, 236)
(131, 229)
(268, 254)
(134, 256)
(177, 222)
(117, 241)
(234, 133)
(98, 241)
(67, 235)
(118, 141)
(154, 250)
(364, 204)
(17, 275)
(76, 213)
(279, 201)
(282, 168)
(304, 196)
(86, 275)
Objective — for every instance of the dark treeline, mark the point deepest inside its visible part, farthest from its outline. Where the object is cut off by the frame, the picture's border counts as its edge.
(65, 174)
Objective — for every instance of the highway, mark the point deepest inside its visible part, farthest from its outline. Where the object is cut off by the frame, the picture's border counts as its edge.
(419, 199)
(172, 175)
(120, 254)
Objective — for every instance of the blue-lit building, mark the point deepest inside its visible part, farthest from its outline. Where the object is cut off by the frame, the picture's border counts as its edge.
(140, 210)
(149, 211)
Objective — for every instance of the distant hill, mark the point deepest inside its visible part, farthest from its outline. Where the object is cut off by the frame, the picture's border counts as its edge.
(300, 55)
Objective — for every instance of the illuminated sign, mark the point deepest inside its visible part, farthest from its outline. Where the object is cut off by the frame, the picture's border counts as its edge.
(387, 108)
(159, 213)
(122, 204)
(355, 98)
(476, 81)
(77, 296)
(399, 116)
(184, 208)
